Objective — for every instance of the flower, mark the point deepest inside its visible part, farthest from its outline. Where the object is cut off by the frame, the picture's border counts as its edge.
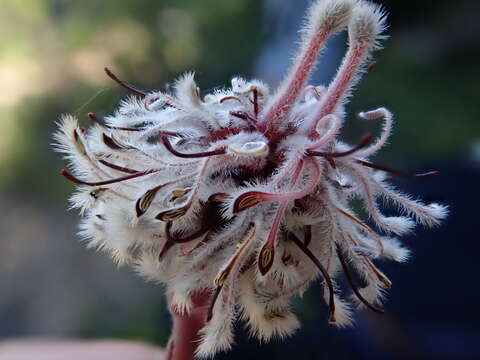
(247, 193)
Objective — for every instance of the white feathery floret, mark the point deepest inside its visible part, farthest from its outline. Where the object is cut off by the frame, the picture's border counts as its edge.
(248, 195)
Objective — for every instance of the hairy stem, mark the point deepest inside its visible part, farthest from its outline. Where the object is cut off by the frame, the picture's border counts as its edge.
(184, 337)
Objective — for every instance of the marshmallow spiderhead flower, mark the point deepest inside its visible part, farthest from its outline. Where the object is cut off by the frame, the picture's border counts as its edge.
(246, 193)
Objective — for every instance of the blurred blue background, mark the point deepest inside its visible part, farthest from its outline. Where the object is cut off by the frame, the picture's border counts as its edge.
(52, 54)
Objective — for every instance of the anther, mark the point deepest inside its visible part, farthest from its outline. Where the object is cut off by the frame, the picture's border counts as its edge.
(173, 214)
(247, 200)
(178, 193)
(265, 258)
(143, 203)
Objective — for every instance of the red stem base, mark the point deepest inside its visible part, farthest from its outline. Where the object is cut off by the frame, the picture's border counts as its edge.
(184, 337)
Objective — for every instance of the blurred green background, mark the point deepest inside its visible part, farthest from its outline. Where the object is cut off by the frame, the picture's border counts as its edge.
(52, 54)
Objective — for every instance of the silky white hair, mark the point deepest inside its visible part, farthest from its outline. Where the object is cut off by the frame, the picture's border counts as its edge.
(245, 193)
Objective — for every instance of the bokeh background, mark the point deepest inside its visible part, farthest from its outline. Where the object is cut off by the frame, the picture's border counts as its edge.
(52, 54)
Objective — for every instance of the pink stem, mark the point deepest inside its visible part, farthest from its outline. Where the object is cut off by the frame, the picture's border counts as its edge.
(281, 209)
(185, 333)
(291, 87)
(268, 249)
(340, 86)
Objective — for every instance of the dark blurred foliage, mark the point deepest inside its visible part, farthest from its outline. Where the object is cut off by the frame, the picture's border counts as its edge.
(52, 54)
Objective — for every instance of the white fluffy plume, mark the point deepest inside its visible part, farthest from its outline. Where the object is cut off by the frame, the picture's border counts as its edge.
(247, 194)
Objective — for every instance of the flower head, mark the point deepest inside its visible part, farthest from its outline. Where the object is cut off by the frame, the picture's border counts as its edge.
(246, 193)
